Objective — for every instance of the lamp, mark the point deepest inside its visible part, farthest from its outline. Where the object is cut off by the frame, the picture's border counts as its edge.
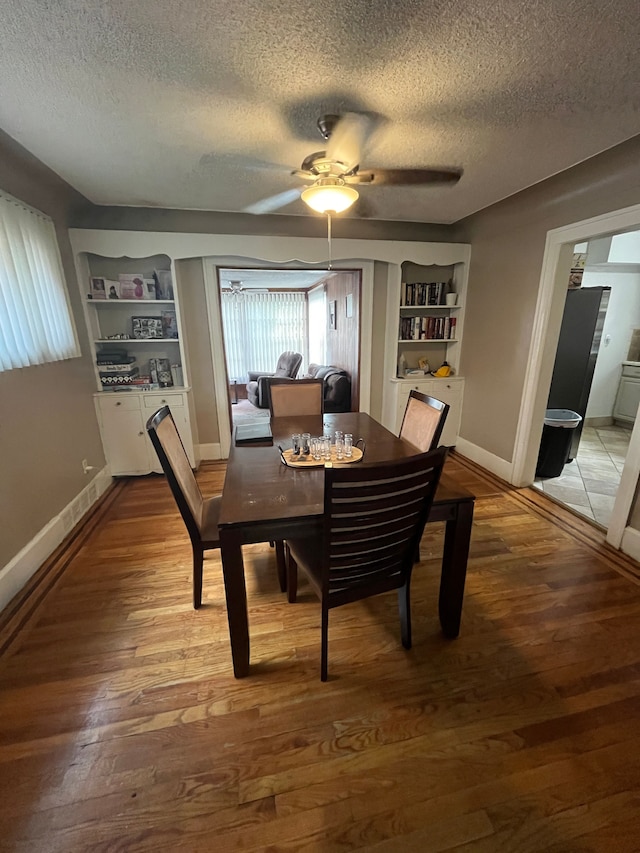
(329, 195)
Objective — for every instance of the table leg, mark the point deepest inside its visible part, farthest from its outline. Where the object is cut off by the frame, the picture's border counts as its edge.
(457, 538)
(236, 595)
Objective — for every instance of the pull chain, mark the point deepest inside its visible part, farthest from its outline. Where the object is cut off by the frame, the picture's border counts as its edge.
(329, 235)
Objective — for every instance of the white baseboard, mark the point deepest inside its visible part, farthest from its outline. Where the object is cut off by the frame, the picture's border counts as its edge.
(19, 570)
(500, 467)
(210, 451)
(630, 544)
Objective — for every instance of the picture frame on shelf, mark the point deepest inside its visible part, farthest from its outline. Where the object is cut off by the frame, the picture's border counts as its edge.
(169, 324)
(131, 286)
(146, 328)
(98, 288)
(113, 289)
(150, 288)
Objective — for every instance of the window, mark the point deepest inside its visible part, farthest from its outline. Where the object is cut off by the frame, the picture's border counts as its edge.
(259, 327)
(35, 320)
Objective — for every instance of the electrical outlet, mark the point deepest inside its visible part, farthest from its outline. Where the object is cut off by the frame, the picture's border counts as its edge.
(86, 467)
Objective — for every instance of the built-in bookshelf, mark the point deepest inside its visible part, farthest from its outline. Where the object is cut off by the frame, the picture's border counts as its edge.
(132, 318)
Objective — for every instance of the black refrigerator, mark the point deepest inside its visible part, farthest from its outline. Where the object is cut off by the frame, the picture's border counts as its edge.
(578, 345)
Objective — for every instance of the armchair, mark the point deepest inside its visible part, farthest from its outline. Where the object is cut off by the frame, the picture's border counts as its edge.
(258, 385)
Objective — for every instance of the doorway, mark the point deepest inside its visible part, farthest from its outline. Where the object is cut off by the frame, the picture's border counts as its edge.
(599, 344)
(559, 248)
(256, 314)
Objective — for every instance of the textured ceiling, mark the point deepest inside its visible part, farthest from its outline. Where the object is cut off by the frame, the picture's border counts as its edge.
(171, 103)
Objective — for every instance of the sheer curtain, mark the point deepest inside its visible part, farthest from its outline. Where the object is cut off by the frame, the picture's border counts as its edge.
(259, 327)
(35, 319)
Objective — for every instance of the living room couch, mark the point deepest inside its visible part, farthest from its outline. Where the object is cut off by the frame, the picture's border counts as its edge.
(336, 385)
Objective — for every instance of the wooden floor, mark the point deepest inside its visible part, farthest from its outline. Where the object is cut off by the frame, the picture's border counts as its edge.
(123, 729)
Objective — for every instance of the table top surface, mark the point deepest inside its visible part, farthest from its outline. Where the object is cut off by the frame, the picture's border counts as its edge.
(259, 487)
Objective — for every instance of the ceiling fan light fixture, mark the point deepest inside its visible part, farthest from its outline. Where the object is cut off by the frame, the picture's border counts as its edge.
(329, 195)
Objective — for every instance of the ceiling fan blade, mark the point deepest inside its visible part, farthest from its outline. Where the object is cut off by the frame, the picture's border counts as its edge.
(348, 139)
(400, 177)
(267, 205)
(212, 160)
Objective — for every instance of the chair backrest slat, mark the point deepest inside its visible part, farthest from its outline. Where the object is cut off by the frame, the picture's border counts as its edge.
(423, 420)
(296, 397)
(374, 518)
(177, 468)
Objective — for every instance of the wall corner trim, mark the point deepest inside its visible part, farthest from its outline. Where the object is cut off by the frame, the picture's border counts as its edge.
(500, 467)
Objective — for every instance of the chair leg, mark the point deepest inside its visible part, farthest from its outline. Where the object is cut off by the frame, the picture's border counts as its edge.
(324, 652)
(292, 577)
(198, 558)
(404, 605)
(282, 565)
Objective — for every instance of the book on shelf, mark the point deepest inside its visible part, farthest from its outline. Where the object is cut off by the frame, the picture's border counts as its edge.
(416, 294)
(114, 356)
(427, 328)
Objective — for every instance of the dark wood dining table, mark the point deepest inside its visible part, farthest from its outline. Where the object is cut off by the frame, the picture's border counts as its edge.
(263, 500)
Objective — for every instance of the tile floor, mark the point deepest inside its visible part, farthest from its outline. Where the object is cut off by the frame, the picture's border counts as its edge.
(589, 484)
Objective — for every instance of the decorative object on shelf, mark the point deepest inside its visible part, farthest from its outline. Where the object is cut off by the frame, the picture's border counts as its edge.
(131, 286)
(442, 371)
(160, 372)
(402, 366)
(423, 364)
(169, 324)
(146, 327)
(164, 284)
(150, 288)
(332, 314)
(452, 299)
(176, 375)
(98, 288)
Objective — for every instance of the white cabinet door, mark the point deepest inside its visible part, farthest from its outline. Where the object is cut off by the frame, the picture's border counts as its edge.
(627, 399)
(124, 437)
(180, 412)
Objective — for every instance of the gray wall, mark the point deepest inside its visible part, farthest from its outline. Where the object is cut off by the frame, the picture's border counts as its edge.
(507, 247)
(47, 419)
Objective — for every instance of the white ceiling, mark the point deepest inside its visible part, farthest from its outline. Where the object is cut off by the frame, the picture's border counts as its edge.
(279, 279)
(123, 99)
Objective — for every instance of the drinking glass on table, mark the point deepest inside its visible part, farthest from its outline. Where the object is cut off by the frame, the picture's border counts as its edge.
(348, 445)
(326, 447)
(305, 440)
(295, 443)
(316, 448)
(339, 446)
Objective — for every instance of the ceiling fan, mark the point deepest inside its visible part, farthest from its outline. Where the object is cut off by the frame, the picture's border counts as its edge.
(335, 171)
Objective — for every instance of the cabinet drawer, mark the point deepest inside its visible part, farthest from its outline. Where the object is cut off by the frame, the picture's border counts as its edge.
(171, 400)
(632, 371)
(120, 403)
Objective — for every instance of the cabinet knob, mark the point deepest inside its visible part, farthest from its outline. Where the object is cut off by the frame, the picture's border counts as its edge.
(119, 403)
(163, 401)
(140, 433)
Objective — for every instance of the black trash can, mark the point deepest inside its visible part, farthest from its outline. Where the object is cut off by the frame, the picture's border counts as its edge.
(555, 445)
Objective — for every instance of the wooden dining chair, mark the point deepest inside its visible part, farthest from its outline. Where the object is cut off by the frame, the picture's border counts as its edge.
(295, 397)
(374, 515)
(423, 421)
(199, 514)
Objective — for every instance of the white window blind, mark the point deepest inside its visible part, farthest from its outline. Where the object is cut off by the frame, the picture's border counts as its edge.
(259, 327)
(36, 325)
